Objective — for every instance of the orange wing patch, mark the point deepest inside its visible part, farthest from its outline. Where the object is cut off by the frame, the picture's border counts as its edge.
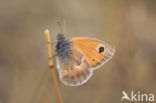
(90, 48)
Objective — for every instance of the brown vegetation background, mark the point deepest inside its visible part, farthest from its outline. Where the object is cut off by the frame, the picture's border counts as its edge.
(128, 24)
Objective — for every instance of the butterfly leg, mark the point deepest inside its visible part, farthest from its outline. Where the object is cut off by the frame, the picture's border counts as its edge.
(54, 55)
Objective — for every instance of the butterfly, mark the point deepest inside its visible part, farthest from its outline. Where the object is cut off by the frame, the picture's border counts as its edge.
(77, 58)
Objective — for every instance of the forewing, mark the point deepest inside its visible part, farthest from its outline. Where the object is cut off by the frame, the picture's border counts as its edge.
(90, 47)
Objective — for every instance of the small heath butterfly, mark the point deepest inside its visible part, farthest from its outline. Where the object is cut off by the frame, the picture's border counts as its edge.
(79, 57)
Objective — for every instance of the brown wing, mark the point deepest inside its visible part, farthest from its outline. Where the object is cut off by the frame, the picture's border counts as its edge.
(92, 50)
(77, 71)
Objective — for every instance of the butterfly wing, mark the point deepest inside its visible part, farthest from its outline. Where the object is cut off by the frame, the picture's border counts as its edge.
(76, 70)
(97, 52)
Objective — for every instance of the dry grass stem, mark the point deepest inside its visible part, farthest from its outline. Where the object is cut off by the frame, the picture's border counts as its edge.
(51, 66)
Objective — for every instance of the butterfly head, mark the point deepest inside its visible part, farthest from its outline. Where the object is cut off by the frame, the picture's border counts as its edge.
(63, 47)
(60, 37)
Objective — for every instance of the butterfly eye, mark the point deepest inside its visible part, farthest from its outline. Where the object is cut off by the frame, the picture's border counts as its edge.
(101, 49)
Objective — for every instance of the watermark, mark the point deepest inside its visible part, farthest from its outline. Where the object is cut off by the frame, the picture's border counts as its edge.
(137, 97)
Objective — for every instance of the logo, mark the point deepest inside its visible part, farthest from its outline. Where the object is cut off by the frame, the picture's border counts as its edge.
(137, 97)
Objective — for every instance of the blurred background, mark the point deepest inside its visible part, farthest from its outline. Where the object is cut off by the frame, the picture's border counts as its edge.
(130, 25)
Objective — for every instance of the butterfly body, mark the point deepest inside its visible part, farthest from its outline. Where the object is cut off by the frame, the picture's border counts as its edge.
(63, 47)
(78, 57)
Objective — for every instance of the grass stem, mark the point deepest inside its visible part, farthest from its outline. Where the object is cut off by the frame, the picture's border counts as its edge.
(51, 66)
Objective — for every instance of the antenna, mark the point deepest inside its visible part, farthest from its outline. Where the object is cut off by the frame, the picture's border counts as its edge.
(60, 26)
(64, 26)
